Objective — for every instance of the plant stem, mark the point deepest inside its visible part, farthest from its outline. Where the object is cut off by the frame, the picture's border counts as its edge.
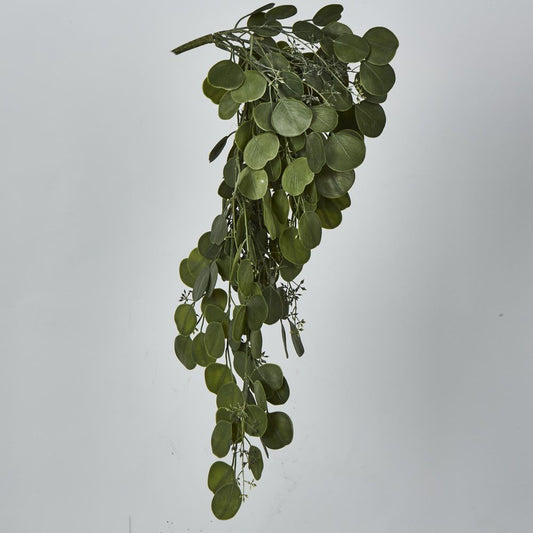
(195, 43)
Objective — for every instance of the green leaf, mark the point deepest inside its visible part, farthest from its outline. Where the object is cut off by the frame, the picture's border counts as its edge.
(256, 343)
(274, 61)
(383, 45)
(263, 114)
(268, 216)
(292, 247)
(255, 462)
(256, 312)
(221, 438)
(314, 151)
(214, 94)
(226, 501)
(377, 79)
(370, 118)
(310, 229)
(280, 206)
(196, 262)
(291, 117)
(332, 184)
(238, 322)
(334, 29)
(307, 31)
(279, 431)
(215, 340)
(327, 14)
(269, 374)
(273, 300)
(288, 271)
(212, 313)
(325, 118)
(213, 277)
(199, 352)
(216, 376)
(255, 423)
(231, 171)
(228, 107)
(278, 396)
(350, 48)
(330, 215)
(252, 184)
(242, 136)
(207, 248)
(226, 75)
(296, 176)
(218, 298)
(290, 85)
(253, 87)
(183, 350)
(260, 395)
(245, 276)
(343, 202)
(345, 150)
(261, 149)
(229, 395)
(281, 12)
(220, 474)
(201, 283)
(273, 169)
(185, 274)
(284, 339)
(219, 229)
(296, 340)
(185, 318)
(263, 8)
(217, 149)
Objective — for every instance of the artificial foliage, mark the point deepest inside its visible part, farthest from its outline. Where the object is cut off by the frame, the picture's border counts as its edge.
(304, 95)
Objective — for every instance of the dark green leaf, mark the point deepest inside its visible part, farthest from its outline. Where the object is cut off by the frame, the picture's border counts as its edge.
(350, 48)
(226, 75)
(215, 340)
(229, 395)
(207, 248)
(201, 284)
(199, 352)
(383, 45)
(281, 12)
(310, 229)
(332, 184)
(221, 438)
(377, 79)
(292, 247)
(228, 107)
(284, 339)
(256, 312)
(238, 323)
(370, 118)
(197, 262)
(256, 343)
(260, 395)
(231, 171)
(263, 114)
(253, 184)
(255, 462)
(269, 374)
(185, 274)
(226, 501)
(219, 229)
(330, 215)
(218, 298)
(214, 94)
(327, 14)
(314, 151)
(261, 149)
(220, 474)
(278, 396)
(345, 150)
(217, 149)
(290, 85)
(288, 270)
(296, 340)
(255, 423)
(280, 206)
(279, 431)
(183, 350)
(273, 300)
(253, 87)
(245, 276)
(325, 118)
(307, 31)
(242, 136)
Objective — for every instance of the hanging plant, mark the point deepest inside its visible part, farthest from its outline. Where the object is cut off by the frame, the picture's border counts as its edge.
(304, 104)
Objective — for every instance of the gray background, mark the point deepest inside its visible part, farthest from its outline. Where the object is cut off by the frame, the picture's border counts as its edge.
(413, 403)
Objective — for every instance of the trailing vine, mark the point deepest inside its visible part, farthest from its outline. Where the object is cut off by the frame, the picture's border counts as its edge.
(304, 104)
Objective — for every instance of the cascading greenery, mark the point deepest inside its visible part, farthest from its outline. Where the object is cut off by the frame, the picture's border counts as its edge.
(304, 104)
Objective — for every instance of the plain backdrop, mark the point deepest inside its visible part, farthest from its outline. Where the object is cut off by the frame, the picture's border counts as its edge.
(412, 405)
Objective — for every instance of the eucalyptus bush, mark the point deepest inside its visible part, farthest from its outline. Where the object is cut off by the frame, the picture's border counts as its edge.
(304, 104)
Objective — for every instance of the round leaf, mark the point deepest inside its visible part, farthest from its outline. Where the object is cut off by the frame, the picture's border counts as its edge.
(291, 117)
(228, 107)
(256, 312)
(229, 395)
(253, 87)
(332, 184)
(310, 229)
(220, 474)
(314, 151)
(218, 298)
(330, 215)
(261, 149)
(238, 323)
(280, 206)
(217, 375)
(279, 431)
(292, 247)
(185, 274)
(278, 396)
(185, 318)
(269, 374)
(213, 93)
(383, 45)
(199, 352)
(325, 118)
(255, 423)
(290, 85)
(281, 12)
(296, 176)
(345, 150)
(255, 461)
(288, 271)
(370, 118)
(253, 184)
(221, 438)
(226, 501)
(350, 48)
(215, 340)
(377, 79)
(327, 14)
(263, 115)
(226, 75)
(242, 136)
(183, 350)
(307, 31)
(274, 303)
